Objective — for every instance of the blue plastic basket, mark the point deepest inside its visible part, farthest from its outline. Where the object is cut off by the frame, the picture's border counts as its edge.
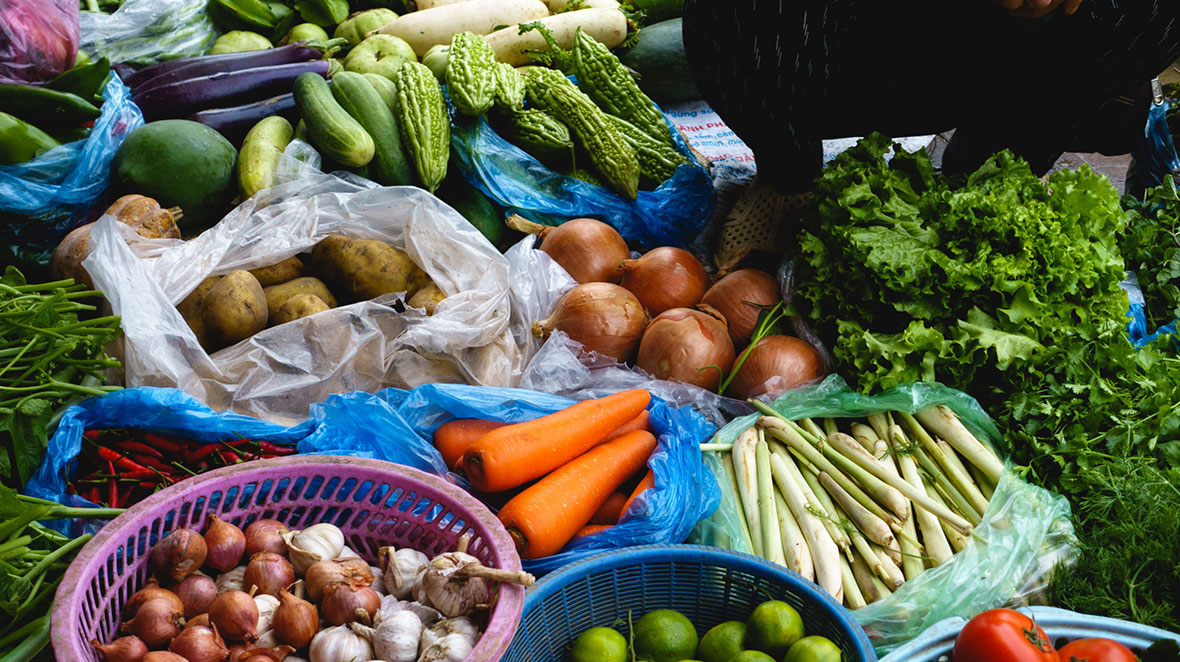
(706, 584)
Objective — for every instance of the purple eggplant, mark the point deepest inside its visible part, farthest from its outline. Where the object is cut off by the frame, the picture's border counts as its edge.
(235, 122)
(222, 90)
(203, 65)
(125, 71)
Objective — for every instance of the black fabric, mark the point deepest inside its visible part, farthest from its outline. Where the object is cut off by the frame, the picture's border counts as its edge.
(784, 74)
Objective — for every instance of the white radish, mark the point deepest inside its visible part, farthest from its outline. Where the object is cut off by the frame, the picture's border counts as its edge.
(430, 27)
(431, 4)
(608, 26)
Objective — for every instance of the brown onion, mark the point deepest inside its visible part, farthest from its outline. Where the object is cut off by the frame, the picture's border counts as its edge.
(665, 278)
(124, 649)
(155, 622)
(590, 251)
(235, 615)
(150, 592)
(199, 619)
(196, 593)
(342, 603)
(226, 544)
(741, 297)
(296, 621)
(604, 318)
(687, 345)
(199, 644)
(265, 535)
(322, 574)
(268, 571)
(163, 656)
(775, 364)
(179, 554)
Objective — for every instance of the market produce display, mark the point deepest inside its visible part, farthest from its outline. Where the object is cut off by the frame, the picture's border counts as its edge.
(35, 119)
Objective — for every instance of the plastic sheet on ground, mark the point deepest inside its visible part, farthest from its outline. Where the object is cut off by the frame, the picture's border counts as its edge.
(398, 426)
(365, 346)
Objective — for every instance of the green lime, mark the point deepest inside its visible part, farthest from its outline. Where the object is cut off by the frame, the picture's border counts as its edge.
(773, 627)
(813, 649)
(664, 635)
(600, 645)
(722, 642)
(751, 656)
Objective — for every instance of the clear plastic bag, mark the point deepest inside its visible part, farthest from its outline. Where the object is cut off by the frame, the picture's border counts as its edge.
(142, 32)
(367, 346)
(38, 39)
(671, 215)
(398, 426)
(56, 190)
(1025, 532)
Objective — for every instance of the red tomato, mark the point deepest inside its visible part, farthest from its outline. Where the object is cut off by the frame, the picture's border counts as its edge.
(1095, 650)
(1003, 635)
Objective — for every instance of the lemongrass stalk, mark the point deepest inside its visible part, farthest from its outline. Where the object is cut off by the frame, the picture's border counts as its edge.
(865, 435)
(881, 587)
(882, 493)
(961, 477)
(824, 553)
(885, 568)
(864, 580)
(794, 543)
(830, 426)
(812, 429)
(772, 540)
(853, 598)
(893, 575)
(912, 562)
(880, 425)
(933, 538)
(826, 509)
(790, 436)
(952, 496)
(744, 464)
(716, 448)
(873, 527)
(873, 467)
(986, 486)
(956, 540)
(727, 461)
(944, 423)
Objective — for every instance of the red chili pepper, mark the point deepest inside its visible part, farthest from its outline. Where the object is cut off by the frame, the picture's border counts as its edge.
(93, 495)
(153, 463)
(146, 474)
(268, 447)
(149, 485)
(161, 443)
(92, 435)
(112, 487)
(136, 447)
(198, 454)
(121, 461)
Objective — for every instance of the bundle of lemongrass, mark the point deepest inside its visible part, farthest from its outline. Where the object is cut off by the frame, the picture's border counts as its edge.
(860, 507)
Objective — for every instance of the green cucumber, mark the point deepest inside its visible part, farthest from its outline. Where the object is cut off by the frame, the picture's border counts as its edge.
(384, 87)
(259, 156)
(333, 131)
(658, 56)
(354, 93)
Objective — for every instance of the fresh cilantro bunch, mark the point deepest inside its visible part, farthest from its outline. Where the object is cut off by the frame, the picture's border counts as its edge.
(1151, 248)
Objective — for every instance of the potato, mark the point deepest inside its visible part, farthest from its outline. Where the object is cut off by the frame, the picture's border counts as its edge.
(190, 309)
(364, 268)
(277, 295)
(300, 305)
(289, 269)
(427, 298)
(234, 308)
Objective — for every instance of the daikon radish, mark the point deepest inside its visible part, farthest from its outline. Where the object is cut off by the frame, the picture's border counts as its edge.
(608, 26)
(430, 27)
(431, 4)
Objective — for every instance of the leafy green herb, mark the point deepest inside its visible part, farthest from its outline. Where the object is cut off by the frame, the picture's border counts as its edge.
(1151, 248)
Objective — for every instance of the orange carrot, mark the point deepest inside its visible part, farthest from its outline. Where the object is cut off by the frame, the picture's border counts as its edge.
(453, 437)
(591, 529)
(611, 509)
(648, 482)
(543, 518)
(515, 454)
(640, 422)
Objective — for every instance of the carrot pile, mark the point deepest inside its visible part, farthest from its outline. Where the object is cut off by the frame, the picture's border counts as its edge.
(574, 472)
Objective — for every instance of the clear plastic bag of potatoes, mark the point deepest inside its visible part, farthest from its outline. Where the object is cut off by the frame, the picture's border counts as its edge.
(361, 344)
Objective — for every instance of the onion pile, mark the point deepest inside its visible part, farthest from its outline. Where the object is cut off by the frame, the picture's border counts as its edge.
(665, 278)
(349, 615)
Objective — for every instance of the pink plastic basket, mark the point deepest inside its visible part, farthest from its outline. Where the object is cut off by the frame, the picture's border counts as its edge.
(374, 503)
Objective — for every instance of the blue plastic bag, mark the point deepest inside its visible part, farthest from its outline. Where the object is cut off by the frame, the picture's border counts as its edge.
(671, 215)
(164, 411)
(1156, 156)
(55, 191)
(397, 426)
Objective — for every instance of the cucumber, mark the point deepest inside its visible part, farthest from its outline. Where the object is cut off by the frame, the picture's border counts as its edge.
(333, 131)
(354, 93)
(384, 87)
(474, 206)
(259, 156)
(658, 56)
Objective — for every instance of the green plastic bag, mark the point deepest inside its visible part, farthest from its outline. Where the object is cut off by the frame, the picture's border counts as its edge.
(1025, 532)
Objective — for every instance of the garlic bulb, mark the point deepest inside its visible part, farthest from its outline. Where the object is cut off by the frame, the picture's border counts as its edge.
(400, 568)
(319, 542)
(390, 604)
(230, 580)
(267, 605)
(396, 639)
(448, 641)
(292, 658)
(338, 644)
(347, 553)
(266, 639)
(456, 583)
(378, 581)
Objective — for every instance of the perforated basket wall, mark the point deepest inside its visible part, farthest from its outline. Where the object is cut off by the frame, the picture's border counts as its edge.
(706, 584)
(374, 503)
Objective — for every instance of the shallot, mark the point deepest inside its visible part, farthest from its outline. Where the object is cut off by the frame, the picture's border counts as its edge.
(163, 656)
(603, 317)
(235, 615)
(343, 604)
(225, 542)
(178, 555)
(196, 593)
(199, 644)
(665, 278)
(150, 592)
(687, 345)
(741, 297)
(269, 573)
(322, 574)
(156, 622)
(265, 535)
(124, 649)
(295, 621)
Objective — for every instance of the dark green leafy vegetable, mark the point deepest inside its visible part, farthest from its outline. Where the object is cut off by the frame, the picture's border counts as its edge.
(1151, 248)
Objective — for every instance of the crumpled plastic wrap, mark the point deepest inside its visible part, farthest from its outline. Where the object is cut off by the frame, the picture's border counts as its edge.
(144, 32)
(38, 39)
(365, 346)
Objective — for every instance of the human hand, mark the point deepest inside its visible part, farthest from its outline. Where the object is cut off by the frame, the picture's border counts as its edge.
(1038, 8)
